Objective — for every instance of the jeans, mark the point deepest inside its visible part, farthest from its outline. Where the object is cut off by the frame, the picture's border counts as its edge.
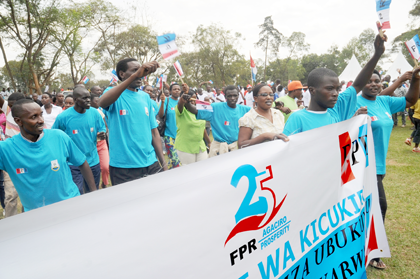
(81, 182)
(416, 133)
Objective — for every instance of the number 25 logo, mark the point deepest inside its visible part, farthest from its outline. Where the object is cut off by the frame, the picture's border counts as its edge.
(249, 216)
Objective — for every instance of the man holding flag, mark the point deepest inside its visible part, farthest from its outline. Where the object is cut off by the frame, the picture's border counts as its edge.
(224, 120)
(134, 142)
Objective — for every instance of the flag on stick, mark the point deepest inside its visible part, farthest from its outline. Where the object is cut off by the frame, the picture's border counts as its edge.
(253, 69)
(200, 105)
(413, 47)
(85, 80)
(178, 68)
(382, 9)
(167, 46)
(114, 77)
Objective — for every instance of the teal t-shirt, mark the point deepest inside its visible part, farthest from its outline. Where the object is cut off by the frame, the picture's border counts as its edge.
(224, 121)
(380, 112)
(130, 123)
(155, 107)
(171, 127)
(82, 128)
(39, 170)
(304, 120)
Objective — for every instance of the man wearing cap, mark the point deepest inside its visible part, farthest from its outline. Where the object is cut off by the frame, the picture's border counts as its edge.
(295, 92)
(249, 97)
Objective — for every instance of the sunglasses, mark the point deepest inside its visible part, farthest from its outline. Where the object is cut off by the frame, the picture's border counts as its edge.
(266, 94)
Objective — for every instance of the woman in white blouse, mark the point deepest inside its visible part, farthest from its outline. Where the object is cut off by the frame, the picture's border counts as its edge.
(49, 111)
(263, 123)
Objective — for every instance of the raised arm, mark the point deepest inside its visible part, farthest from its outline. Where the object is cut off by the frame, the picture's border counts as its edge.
(184, 98)
(114, 93)
(413, 92)
(390, 90)
(366, 73)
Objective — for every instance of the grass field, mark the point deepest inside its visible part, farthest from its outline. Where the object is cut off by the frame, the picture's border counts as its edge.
(402, 187)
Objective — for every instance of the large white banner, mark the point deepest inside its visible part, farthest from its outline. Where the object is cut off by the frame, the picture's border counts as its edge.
(307, 208)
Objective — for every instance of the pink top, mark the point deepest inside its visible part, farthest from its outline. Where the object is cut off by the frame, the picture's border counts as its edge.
(3, 122)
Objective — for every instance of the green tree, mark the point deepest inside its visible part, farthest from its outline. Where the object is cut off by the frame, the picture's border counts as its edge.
(270, 39)
(31, 24)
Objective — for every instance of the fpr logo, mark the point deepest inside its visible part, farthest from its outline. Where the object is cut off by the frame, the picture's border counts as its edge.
(250, 217)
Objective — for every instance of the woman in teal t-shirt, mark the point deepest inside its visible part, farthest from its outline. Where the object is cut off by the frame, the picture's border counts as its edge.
(380, 110)
(171, 128)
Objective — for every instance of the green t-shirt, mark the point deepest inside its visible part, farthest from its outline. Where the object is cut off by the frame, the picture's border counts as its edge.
(190, 132)
(288, 103)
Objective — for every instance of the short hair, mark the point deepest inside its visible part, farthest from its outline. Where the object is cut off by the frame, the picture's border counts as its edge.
(16, 96)
(59, 93)
(278, 81)
(230, 87)
(17, 107)
(258, 88)
(94, 87)
(172, 85)
(377, 73)
(76, 92)
(46, 93)
(68, 96)
(144, 88)
(317, 75)
(122, 65)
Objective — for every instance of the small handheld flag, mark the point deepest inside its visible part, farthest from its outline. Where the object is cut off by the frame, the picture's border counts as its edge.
(114, 77)
(382, 9)
(200, 105)
(413, 47)
(157, 82)
(85, 80)
(167, 46)
(253, 69)
(211, 82)
(178, 68)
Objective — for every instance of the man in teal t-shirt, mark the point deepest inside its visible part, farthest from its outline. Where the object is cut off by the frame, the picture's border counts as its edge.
(327, 105)
(37, 160)
(134, 142)
(224, 121)
(83, 125)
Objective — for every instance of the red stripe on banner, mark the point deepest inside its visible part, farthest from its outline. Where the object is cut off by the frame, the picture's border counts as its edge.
(373, 242)
(169, 54)
(386, 25)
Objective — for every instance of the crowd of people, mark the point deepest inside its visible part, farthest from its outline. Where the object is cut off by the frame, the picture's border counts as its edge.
(61, 146)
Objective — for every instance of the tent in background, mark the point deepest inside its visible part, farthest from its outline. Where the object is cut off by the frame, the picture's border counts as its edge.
(351, 71)
(399, 63)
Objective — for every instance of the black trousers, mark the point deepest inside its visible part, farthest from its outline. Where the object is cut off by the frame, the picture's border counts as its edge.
(382, 197)
(121, 175)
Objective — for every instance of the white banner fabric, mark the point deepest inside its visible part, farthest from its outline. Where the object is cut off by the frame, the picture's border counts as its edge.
(307, 208)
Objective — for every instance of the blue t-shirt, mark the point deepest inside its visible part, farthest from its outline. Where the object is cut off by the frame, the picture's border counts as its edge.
(82, 128)
(130, 123)
(224, 121)
(304, 120)
(155, 107)
(39, 170)
(380, 112)
(171, 127)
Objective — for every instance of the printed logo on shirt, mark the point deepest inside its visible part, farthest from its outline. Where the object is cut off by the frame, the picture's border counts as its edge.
(20, 171)
(91, 129)
(227, 123)
(389, 115)
(75, 132)
(123, 112)
(374, 118)
(173, 108)
(54, 165)
(147, 111)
